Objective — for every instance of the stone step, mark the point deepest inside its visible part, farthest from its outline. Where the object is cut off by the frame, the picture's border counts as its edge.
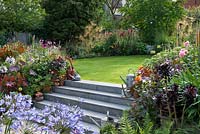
(89, 116)
(93, 94)
(93, 129)
(96, 99)
(88, 104)
(94, 85)
(96, 118)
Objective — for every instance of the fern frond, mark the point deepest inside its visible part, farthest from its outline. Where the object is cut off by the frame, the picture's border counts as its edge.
(125, 125)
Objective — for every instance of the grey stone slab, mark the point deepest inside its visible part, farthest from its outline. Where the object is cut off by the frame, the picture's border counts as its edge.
(94, 105)
(96, 99)
(93, 94)
(99, 86)
(93, 128)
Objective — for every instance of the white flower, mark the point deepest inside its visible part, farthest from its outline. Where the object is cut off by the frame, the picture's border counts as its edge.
(3, 69)
(10, 60)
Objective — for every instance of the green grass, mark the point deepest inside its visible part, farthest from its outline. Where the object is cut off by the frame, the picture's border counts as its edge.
(108, 69)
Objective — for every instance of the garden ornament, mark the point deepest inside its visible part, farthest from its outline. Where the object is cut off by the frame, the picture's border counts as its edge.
(72, 74)
(76, 77)
(128, 82)
(107, 119)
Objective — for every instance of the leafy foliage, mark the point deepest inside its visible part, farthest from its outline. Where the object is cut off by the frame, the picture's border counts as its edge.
(108, 129)
(67, 19)
(165, 128)
(127, 126)
(167, 88)
(20, 15)
(124, 42)
(31, 69)
(152, 17)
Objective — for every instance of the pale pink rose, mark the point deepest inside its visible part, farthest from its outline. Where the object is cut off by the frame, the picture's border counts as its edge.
(186, 44)
(183, 52)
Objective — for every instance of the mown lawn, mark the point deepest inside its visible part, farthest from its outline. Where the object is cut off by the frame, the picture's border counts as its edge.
(108, 69)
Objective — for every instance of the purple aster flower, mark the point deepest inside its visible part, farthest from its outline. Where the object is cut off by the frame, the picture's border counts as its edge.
(14, 68)
(31, 72)
(44, 45)
(31, 60)
(10, 84)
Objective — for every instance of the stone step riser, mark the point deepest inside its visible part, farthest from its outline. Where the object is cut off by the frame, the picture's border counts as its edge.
(84, 118)
(88, 120)
(103, 88)
(85, 105)
(110, 99)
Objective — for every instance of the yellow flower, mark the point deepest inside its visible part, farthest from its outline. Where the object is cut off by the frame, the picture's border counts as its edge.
(152, 52)
(158, 46)
(20, 89)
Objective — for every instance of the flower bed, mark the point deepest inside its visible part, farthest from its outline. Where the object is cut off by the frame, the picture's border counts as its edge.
(31, 69)
(166, 92)
(167, 87)
(18, 117)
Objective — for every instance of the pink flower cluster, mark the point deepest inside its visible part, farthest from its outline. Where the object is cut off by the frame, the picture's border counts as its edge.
(182, 53)
(46, 43)
(186, 44)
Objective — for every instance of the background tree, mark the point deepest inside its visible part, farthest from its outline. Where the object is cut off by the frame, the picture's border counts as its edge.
(20, 15)
(67, 19)
(112, 5)
(108, 19)
(153, 18)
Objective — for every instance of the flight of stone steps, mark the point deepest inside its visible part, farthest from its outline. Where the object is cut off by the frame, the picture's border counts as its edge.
(96, 99)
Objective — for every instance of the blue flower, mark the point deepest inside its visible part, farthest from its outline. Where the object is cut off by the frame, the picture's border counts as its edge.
(52, 119)
(2, 109)
(14, 68)
(2, 102)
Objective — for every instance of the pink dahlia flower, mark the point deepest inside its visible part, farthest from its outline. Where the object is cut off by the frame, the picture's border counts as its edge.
(183, 52)
(186, 44)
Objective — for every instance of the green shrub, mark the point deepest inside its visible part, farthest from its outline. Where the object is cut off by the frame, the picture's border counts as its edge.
(153, 18)
(4, 36)
(108, 129)
(121, 43)
(128, 126)
(2, 39)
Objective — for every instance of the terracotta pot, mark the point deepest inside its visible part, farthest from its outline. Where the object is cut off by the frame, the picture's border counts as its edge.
(56, 82)
(40, 98)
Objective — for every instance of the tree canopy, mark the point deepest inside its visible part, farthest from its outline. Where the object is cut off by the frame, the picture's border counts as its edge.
(20, 15)
(153, 17)
(67, 19)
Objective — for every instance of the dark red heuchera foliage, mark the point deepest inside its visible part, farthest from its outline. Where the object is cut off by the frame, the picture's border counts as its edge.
(9, 83)
(173, 100)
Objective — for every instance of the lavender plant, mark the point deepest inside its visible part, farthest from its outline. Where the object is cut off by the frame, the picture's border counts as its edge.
(18, 116)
